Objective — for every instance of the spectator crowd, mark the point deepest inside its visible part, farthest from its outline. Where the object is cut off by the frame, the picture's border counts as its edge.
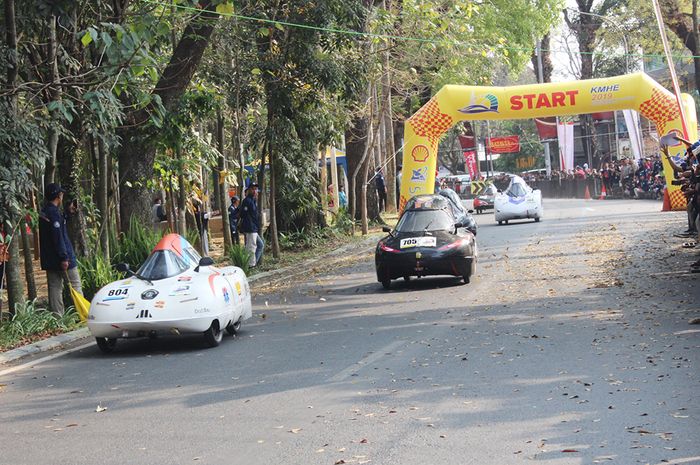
(643, 178)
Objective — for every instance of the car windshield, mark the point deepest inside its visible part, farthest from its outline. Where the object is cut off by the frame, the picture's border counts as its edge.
(161, 264)
(516, 190)
(425, 220)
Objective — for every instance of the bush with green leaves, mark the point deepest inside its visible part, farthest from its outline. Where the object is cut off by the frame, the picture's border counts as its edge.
(135, 245)
(30, 320)
(96, 271)
(239, 256)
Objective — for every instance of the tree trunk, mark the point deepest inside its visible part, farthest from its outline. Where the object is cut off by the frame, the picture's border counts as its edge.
(69, 174)
(103, 196)
(181, 197)
(137, 152)
(15, 288)
(54, 96)
(273, 205)
(323, 182)
(390, 149)
(223, 189)
(28, 265)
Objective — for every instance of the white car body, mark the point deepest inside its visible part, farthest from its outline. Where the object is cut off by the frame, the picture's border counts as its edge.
(518, 201)
(189, 301)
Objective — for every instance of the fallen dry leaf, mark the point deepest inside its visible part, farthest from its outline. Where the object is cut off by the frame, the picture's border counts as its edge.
(100, 409)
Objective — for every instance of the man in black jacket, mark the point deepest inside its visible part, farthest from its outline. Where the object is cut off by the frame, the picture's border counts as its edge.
(56, 250)
(250, 226)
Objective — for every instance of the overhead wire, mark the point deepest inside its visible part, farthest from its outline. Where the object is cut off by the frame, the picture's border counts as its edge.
(275, 22)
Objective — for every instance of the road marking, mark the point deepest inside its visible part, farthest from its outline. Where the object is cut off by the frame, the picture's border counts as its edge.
(44, 359)
(352, 369)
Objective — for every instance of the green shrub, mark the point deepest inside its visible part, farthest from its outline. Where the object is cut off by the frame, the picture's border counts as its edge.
(95, 272)
(135, 244)
(240, 256)
(342, 222)
(29, 320)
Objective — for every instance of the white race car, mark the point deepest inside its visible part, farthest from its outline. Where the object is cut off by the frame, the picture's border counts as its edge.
(174, 292)
(518, 201)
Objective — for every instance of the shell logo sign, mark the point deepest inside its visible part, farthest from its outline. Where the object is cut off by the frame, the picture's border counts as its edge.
(420, 153)
(510, 144)
(454, 103)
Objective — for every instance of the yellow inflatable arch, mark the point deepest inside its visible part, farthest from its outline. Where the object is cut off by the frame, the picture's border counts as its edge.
(452, 104)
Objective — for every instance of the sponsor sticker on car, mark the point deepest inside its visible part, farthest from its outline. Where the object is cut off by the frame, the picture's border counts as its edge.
(426, 241)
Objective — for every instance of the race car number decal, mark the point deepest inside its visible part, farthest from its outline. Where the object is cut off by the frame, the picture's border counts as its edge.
(118, 292)
(426, 241)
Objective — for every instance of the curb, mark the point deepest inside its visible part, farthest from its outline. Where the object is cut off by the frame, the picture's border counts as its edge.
(57, 342)
(54, 342)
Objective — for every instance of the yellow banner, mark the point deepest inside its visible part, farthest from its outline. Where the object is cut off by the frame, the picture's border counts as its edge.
(452, 104)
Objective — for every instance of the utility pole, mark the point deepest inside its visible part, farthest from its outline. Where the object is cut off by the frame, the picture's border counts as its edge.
(540, 75)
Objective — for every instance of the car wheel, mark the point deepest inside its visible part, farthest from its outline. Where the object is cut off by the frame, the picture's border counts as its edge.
(500, 222)
(466, 278)
(407, 278)
(213, 335)
(537, 220)
(233, 328)
(105, 344)
(386, 284)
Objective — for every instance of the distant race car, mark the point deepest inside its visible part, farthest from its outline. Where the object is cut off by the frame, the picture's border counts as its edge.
(434, 236)
(484, 200)
(174, 292)
(518, 201)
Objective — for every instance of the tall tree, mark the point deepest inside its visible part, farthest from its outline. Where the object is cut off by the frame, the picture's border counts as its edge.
(682, 19)
(137, 150)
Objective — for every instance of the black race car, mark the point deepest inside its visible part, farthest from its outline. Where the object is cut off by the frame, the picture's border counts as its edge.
(434, 236)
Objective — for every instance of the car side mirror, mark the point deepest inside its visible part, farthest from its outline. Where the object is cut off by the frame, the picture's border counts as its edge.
(459, 225)
(386, 229)
(470, 211)
(204, 261)
(124, 268)
(499, 191)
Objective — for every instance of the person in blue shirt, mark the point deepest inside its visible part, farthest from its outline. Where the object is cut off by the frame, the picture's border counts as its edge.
(233, 216)
(250, 225)
(342, 198)
(56, 250)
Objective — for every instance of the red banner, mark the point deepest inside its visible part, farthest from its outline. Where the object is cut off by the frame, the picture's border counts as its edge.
(510, 144)
(547, 128)
(471, 164)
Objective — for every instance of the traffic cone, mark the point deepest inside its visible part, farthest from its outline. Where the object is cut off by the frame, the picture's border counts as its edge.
(667, 202)
(587, 194)
(603, 193)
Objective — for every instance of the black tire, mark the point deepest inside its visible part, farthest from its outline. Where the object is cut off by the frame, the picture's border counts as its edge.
(106, 345)
(213, 335)
(386, 284)
(500, 223)
(537, 220)
(233, 328)
(466, 278)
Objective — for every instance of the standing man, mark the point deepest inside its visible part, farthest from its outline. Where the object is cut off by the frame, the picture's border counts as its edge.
(380, 184)
(56, 250)
(250, 226)
(233, 216)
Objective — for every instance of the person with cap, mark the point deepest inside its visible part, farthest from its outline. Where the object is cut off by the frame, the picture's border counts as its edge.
(250, 225)
(233, 216)
(56, 250)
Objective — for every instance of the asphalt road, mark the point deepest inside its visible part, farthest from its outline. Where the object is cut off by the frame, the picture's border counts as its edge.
(571, 346)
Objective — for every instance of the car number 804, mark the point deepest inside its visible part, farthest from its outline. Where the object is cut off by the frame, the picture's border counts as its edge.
(118, 292)
(418, 242)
